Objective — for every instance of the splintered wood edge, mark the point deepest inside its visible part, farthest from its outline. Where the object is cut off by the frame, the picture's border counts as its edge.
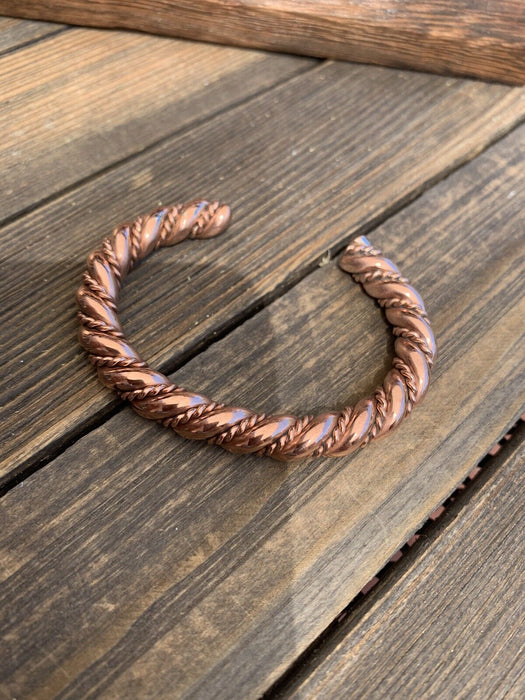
(77, 112)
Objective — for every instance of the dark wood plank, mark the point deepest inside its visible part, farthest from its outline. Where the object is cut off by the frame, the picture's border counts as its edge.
(17, 32)
(304, 167)
(484, 40)
(85, 99)
(140, 564)
(452, 625)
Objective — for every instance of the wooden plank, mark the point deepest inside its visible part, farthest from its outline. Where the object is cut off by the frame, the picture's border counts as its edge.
(139, 564)
(16, 32)
(445, 36)
(452, 625)
(78, 103)
(304, 167)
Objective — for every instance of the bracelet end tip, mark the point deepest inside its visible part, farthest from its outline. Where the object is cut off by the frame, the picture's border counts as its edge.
(218, 220)
(355, 247)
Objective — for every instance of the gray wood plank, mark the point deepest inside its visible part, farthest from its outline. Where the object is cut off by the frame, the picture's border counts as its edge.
(452, 625)
(304, 167)
(19, 32)
(75, 104)
(140, 564)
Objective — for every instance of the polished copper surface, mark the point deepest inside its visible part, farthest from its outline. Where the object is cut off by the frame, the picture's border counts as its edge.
(283, 437)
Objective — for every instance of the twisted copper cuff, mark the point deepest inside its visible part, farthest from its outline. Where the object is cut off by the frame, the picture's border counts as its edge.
(283, 437)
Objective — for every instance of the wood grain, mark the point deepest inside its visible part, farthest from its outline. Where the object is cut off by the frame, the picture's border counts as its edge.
(15, 32)
(139, 564)
(79, 103)
(304, 167)
(382, 145)
(484, 40)
(452, 625)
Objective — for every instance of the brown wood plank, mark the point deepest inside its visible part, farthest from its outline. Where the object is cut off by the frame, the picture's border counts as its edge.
(304, 167)
(452, 626)
(140, 564)
(465, 37)
(17, 32)
(78, 103)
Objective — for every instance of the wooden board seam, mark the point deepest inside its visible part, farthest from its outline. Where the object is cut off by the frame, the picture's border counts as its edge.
(177, 133)
(428, 533)
(32, 42)
(389, 576)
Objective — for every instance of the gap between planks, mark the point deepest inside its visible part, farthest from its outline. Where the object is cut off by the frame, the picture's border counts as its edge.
(388, 577)
(153, 146)
(19, 34)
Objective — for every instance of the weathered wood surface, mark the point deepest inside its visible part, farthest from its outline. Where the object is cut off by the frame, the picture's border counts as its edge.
(86, 99)
(304, 167)
(452, 625)
(139, 564)
(466, 37)
(15, 32)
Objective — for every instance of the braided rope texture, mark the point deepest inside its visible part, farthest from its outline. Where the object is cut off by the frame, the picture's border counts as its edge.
(283, 437)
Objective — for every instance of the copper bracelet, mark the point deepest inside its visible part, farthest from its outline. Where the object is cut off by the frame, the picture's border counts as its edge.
(192, 415)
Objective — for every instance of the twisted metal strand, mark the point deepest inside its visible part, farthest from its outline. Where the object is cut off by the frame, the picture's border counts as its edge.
(192, 415)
